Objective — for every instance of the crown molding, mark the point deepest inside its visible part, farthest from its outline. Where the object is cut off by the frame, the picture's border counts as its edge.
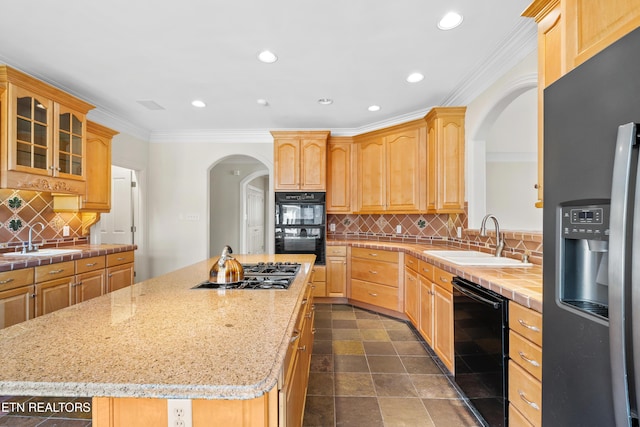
(114, 121)
(219, 136)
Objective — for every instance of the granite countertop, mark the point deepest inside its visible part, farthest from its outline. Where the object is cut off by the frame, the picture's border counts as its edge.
(16, 262)
(158, 338)
(520, 284)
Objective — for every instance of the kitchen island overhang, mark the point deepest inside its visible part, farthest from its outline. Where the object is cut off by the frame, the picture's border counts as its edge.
(159, 339)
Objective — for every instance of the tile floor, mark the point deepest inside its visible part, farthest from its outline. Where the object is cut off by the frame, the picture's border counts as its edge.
(366, 370)
(36, 413)
(371, 370)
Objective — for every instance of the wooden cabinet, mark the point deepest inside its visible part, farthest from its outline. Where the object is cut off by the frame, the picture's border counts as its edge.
(525, 364)
(17, 297)
(53, 289)
(300, 160)
(120, 270)
(375, 278)
(339, 170)
(391, 170)
(336, 271)
(411, 289)
(97, 196)
(443, 318)
(425, 326)
(90, 280)
(445, 159)
(43, 137)
(319, 281)
(569, 33)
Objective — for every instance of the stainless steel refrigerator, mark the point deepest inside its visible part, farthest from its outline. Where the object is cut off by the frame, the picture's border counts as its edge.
(591, 227)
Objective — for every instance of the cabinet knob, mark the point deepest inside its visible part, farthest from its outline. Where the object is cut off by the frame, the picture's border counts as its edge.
(373, 294)
(373, 272)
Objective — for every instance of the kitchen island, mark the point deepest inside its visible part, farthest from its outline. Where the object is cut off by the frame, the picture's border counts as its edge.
(134, 348)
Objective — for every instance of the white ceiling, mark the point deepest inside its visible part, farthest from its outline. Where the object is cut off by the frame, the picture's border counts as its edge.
(356, 52)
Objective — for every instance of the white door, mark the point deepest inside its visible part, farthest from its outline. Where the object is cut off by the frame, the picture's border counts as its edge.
(255, 220)
(117, 225)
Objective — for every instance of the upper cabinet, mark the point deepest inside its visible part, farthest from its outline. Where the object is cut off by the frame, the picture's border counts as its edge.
(42, 136)
(339, 169)
(391, 170)
(445, 154)
(569, 33)
(300, 160)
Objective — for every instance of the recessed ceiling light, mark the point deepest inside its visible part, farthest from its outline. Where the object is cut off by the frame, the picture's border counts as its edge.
(267, 57)
(450, 21)
(325, 101)
(199, 104)
(374, 108)
(415, 77)
(262, 102)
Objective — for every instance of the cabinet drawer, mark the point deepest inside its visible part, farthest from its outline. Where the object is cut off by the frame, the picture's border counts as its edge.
(425, 269)
(442, 279)
(90, 264)
(375, 254)
(54, 271)
(516, 419)
(373, 293)
(16, 278)
(374, 271)
(525, 393)
(526, 322)
(526, 354)
(336, 251)
(411, 262)
(119, 258)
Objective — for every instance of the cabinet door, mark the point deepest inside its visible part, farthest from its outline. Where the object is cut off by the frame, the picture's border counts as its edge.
(89, 285)
(30, 126)
(443, 326)
(313, 161)
(411, 296)
(98, 167)
(287, 164)
(119, 277)
(339, 178)
(432, 166)
(17, 305)
(336, 276)
(403, 156)
(69, 152)
(426, 310)
(371, 176)
(53, 295)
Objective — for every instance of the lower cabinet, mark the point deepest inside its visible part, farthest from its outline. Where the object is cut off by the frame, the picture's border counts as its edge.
(336, 271)
(54, 284)
(443, 318)
(525, 366)
(120, 272)
(411, 289)
(319, 280)
(17, 297)
(375, 278)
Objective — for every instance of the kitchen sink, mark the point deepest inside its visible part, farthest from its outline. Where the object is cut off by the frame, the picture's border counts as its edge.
(45, 252)
(477, 258)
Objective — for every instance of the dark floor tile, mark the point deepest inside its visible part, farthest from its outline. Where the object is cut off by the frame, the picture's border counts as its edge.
(363, 314)
(409, 348)
(370, 324)
(341, 307)
(57, 422)
(321, 363)
(433, 387)
(354, 384)
(322, 347)
(404, 412)
(420, 365)
(394, 324)
(374, 335)
(350, 363)
(322, 315)
(322, 307)
(320, 384)
(450, 412)
(344, 324)
(319, 411)
(380, 348)
(346, 335)
(358, 412)
(323, 334)
(386, 364)
(323, 323)
(343, 315)
(17, 421)
(394, 385)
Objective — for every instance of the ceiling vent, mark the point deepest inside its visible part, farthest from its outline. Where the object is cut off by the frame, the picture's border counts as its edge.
(151, 105)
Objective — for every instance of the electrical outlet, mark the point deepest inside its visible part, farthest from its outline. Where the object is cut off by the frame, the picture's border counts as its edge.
(179, 411)
(65, 231)
(332, 227)
(398, 229)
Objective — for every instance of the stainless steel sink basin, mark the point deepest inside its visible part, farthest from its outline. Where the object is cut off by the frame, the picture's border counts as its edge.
(44, 252)
(476, 258)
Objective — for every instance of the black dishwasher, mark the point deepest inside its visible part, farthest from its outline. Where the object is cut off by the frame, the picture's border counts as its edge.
(481, 337)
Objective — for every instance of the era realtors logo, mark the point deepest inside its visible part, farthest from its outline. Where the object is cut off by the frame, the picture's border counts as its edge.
(49, 407)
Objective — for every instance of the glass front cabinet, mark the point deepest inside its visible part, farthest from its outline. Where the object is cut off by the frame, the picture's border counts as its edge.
(42, 136)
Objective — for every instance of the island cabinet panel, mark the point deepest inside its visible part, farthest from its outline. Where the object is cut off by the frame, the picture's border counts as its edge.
(339, 172)
(300, 160)
(17, 305)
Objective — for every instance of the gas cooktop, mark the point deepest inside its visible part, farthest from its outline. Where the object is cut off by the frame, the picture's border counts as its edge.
(262, 275)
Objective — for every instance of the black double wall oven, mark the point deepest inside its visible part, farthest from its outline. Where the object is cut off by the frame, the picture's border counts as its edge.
(300, 224)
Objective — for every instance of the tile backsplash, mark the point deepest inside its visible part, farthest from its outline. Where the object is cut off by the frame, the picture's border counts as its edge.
(436, 228)
(20, 209)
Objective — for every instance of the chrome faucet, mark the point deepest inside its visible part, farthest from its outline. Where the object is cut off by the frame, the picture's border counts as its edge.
(499, 238)
(30, 247)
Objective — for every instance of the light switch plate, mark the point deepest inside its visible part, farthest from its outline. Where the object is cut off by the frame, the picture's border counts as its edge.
(65, 231)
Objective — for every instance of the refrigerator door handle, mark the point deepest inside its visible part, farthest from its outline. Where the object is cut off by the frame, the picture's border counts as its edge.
(618, 227)
(635, 284)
